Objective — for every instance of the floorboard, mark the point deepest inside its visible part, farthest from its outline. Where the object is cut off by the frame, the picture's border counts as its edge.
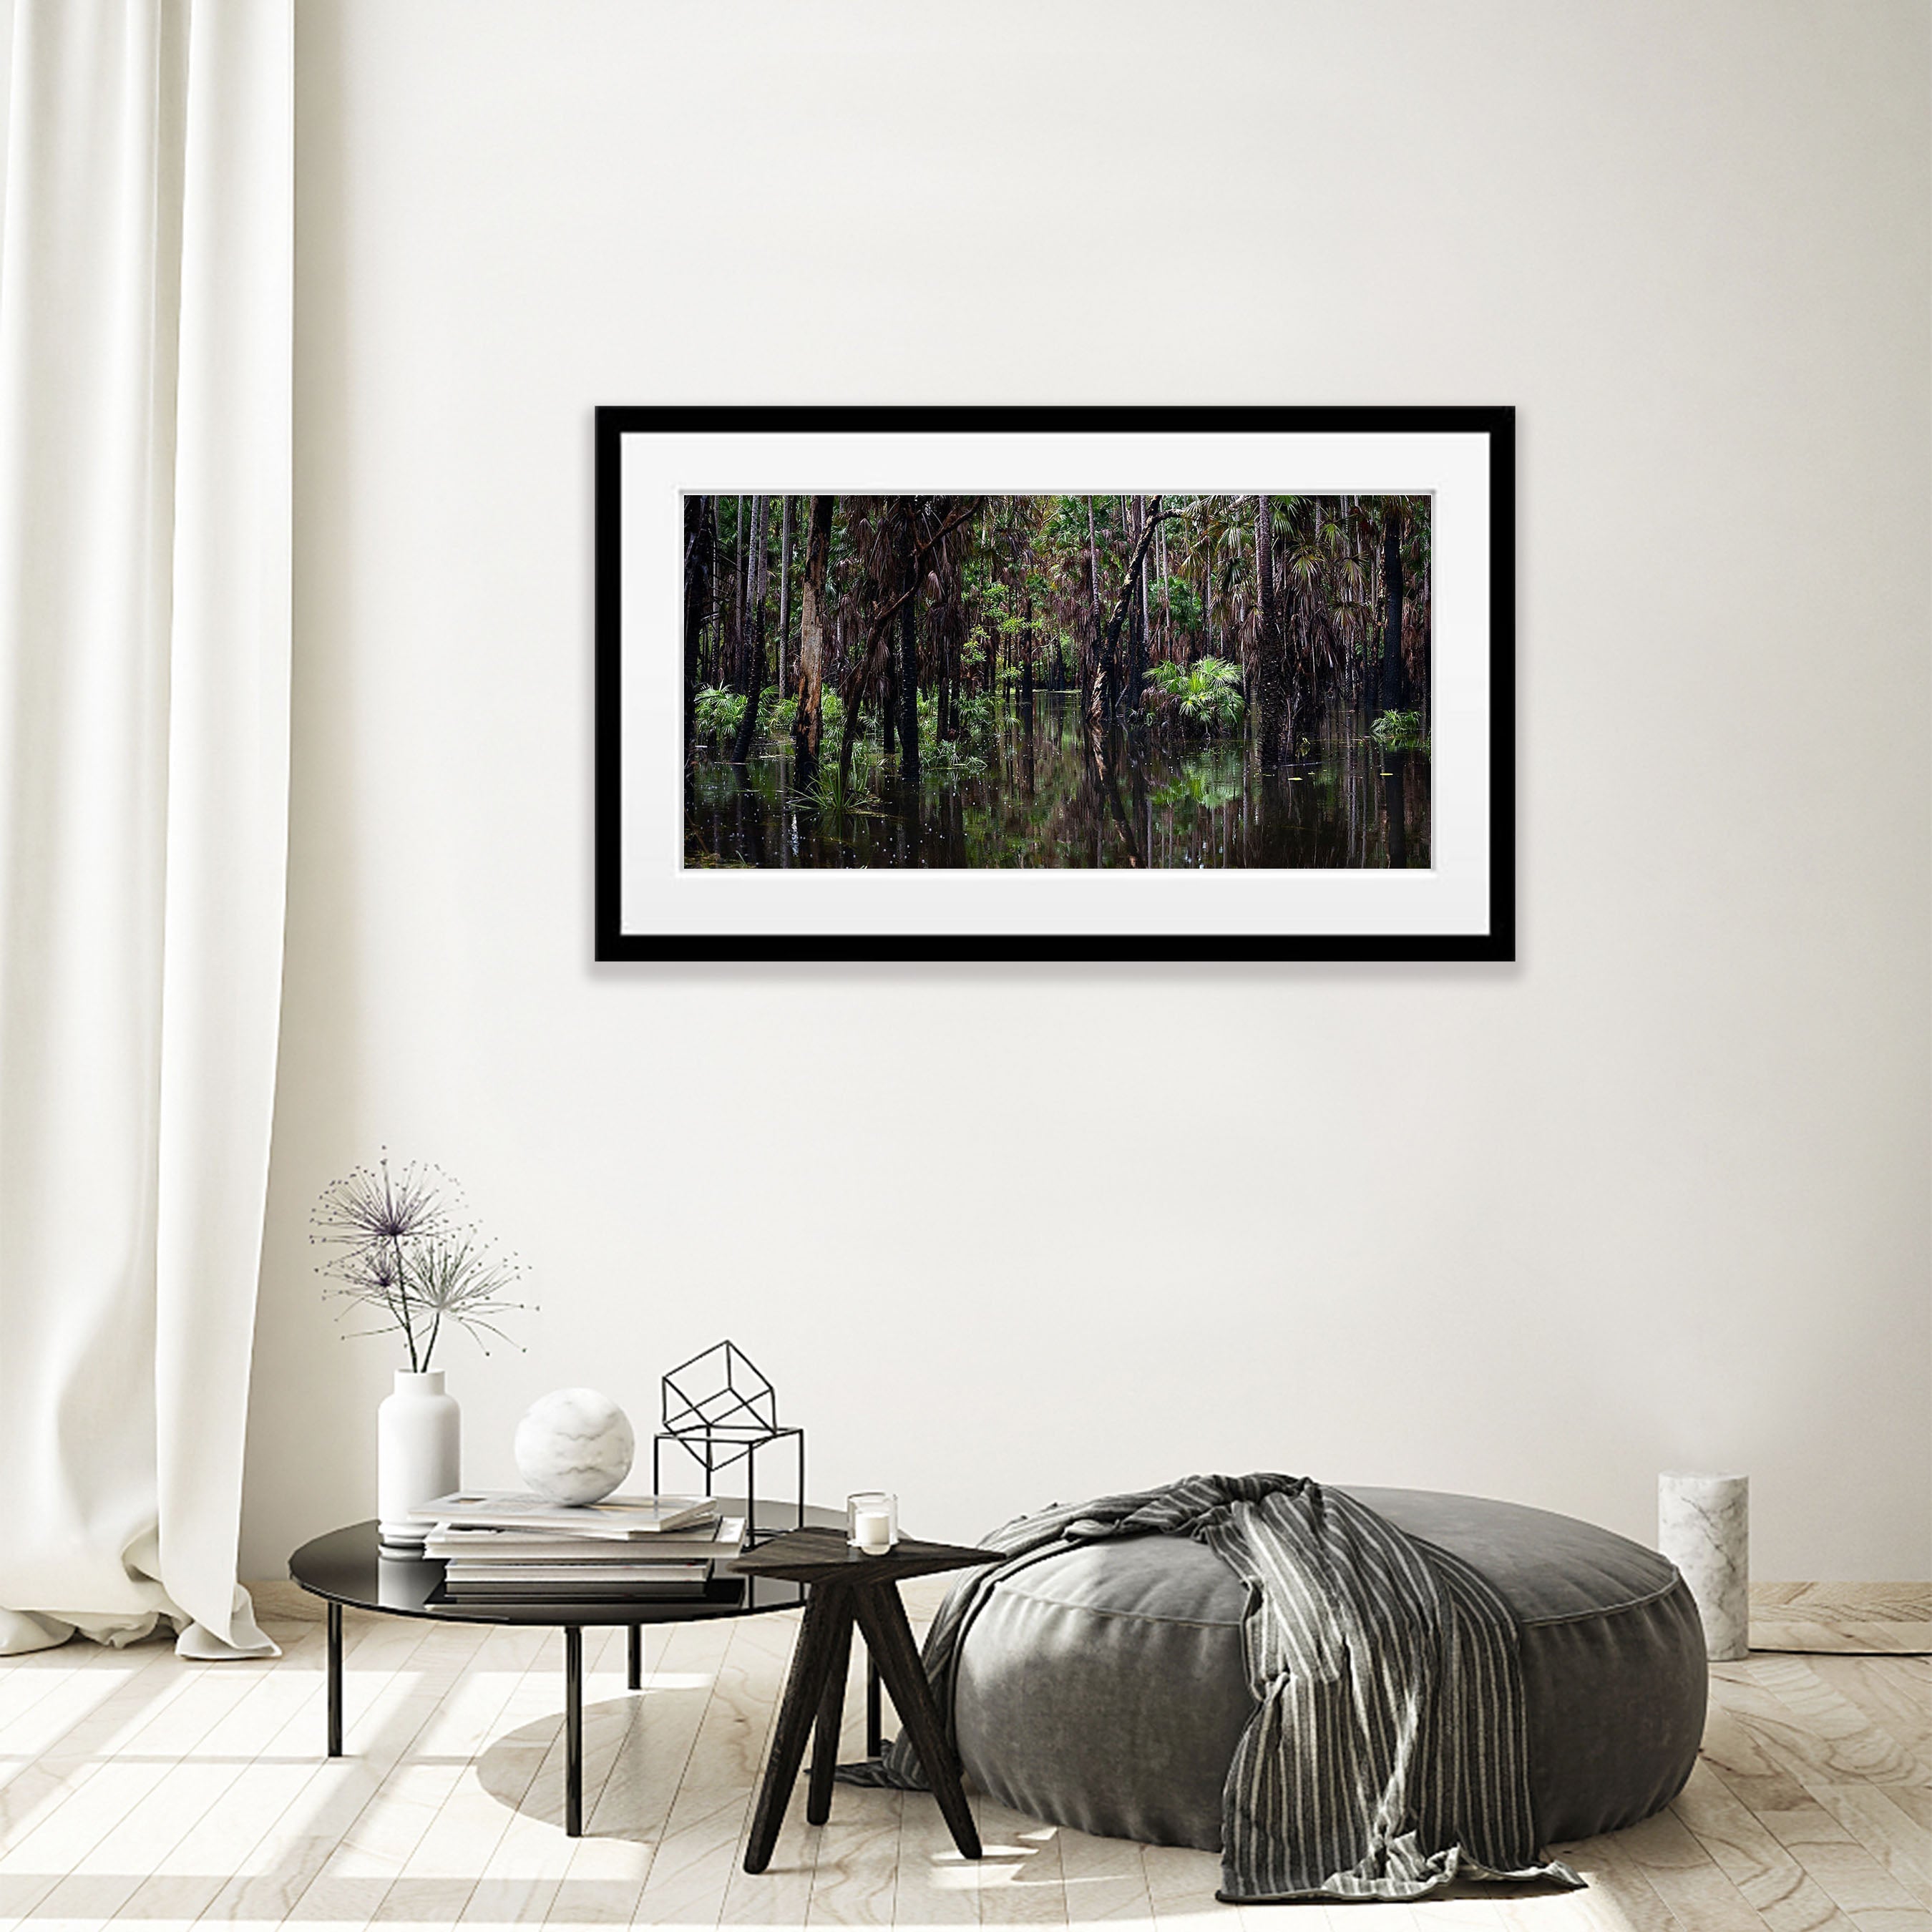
(140, 1792)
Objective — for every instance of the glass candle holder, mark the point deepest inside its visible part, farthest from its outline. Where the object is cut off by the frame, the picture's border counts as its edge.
(872, 1521)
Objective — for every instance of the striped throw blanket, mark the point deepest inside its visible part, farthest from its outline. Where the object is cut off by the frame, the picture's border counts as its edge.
(1388, 1751)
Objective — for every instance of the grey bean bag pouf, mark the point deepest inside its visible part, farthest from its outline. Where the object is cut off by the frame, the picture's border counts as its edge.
(1104, 1688)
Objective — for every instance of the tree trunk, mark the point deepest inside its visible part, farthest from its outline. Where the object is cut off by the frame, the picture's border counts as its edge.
(806, 722)
(740, 565)
(1137, 629)
(698, 539)
(1207, 601)
(1270, 648)
(1107, 644)
(717, 602)
(999, 649)
(909, 688)
(754, 644)
(1091, 671)
(784, 589)
(1392, 589)
(1026, 660)
(873, 668)
(1166, 603)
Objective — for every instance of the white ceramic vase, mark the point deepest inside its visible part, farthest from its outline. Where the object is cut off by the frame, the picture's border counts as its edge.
(418, 1454)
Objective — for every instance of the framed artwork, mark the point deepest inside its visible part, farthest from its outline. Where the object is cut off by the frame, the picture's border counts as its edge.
(1038, 684)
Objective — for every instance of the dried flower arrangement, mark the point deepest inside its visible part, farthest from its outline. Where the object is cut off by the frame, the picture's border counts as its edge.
(406, 1251)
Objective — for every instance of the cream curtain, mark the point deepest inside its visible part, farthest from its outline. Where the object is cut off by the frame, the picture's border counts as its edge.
(145, 332)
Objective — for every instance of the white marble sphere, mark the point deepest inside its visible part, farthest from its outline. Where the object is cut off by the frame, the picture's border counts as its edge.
(574, 1446)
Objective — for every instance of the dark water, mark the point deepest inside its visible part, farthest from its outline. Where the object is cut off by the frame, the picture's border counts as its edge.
(1168, 802)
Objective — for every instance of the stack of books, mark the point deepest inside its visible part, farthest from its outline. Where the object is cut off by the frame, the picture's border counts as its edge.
(514, 1548)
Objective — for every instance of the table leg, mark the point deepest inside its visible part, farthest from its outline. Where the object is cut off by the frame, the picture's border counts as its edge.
(875, 1728)
(882, 1618)
(804, 1690)
(637, 1657)
(831, 1714)
(335, 1680)
(573, 1731)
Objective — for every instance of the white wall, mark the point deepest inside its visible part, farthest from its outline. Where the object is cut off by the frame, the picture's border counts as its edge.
(1655, 1197)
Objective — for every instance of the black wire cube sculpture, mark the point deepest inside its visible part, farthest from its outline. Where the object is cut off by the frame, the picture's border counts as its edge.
(720, 1408)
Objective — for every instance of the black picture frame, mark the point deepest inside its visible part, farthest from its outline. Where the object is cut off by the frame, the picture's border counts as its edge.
(1496, 425)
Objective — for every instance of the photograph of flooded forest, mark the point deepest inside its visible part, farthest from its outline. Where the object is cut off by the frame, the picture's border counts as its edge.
(1035, 681)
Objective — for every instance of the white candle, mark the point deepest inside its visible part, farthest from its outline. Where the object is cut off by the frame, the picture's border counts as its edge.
(874, 1529)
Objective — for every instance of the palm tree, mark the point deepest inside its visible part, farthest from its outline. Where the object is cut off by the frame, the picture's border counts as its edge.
(1277, 727)
(1103, 679)
(1026, 519)
(784, 589)
(1137, 628)
(700, 550)
(1213, 527)
(806, 719)
(1392, 680)
(754, 651)
(902, 543)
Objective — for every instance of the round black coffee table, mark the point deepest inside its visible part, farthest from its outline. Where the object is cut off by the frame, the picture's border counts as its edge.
(350, 1567)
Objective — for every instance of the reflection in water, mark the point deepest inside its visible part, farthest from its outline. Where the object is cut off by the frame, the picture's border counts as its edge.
(1027, 797)
(1394, 813)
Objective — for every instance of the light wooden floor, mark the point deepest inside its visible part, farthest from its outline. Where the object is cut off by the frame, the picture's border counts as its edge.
(141, 1790)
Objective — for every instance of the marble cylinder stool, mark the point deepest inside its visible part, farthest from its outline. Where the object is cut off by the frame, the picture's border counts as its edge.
(1703, 1525)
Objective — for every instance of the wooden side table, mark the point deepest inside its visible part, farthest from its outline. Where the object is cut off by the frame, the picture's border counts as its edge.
(845, 1587)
